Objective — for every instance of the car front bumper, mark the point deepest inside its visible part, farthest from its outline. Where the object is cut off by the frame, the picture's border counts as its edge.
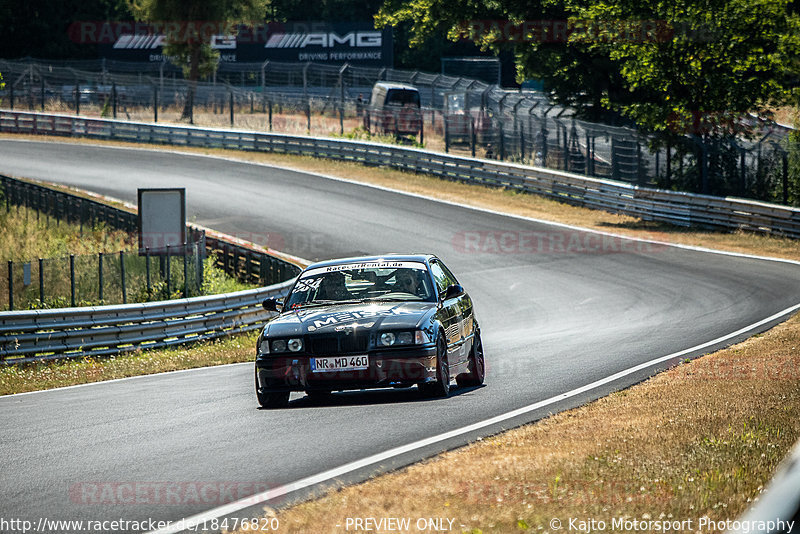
(394, 367)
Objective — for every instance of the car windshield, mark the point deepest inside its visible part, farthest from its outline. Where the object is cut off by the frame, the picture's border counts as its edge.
(357, 282)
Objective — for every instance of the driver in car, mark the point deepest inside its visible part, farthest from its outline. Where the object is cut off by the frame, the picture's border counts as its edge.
(333, 288)
(407, 282)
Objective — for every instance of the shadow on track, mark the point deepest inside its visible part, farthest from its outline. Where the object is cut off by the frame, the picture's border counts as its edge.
(371, 397)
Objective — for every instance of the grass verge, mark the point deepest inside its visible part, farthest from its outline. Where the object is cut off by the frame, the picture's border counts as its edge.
(694, 444)
(28, 234)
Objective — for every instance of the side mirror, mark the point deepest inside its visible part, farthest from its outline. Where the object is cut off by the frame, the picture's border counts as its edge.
(453, 291)
(272, 304)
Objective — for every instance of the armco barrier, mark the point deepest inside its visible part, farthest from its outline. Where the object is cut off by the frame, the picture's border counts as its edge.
(682, 209)
(102, 330)
(98, 331)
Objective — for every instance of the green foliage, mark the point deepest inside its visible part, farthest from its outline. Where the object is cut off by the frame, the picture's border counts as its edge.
(215, 281)
(664, 65)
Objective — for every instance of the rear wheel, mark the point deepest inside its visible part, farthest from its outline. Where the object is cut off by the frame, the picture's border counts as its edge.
(440, 388)
(477, 367)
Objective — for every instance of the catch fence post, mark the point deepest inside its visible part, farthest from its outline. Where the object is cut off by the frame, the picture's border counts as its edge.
(100, 276)
(72, 279)
(122, 276)
(169, 286)
(41, 281)
(10, 285)
(185, 270)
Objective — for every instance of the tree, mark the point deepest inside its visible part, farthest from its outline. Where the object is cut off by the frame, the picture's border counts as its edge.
(190, 25)
(666, 65)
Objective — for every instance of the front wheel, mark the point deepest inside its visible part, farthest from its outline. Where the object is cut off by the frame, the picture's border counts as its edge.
(477, 366)
(440, 388)
(273, 399)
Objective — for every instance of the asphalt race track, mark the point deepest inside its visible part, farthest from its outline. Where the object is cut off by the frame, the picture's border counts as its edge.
(558, 308)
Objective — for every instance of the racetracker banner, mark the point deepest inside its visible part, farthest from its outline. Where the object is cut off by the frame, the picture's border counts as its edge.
(356, 43)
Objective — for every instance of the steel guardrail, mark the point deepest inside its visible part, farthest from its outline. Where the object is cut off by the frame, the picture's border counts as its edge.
(35, 335)
(682, 209)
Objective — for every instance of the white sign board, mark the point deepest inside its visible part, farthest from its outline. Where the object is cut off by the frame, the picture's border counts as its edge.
(162, 219)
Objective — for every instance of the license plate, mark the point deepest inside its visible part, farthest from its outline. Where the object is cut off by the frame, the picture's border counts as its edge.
(339, 363)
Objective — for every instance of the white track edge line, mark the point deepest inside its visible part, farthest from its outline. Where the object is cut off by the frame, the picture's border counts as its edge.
(198, 519)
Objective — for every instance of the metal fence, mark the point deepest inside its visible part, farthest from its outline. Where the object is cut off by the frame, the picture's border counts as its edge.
(460, 115)
(126, 276)
(678, 208)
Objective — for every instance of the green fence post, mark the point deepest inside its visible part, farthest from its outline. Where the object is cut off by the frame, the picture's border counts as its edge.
(100, 276)
(41, 281)
(185, 271)
(72, 279)
(10, 285)
(122, 276)
(169, 287)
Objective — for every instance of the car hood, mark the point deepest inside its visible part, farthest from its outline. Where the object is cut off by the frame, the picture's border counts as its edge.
(383, 315)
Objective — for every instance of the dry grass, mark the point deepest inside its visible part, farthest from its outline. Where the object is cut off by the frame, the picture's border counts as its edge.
(28, 235)
(507, 201)
(699, 440)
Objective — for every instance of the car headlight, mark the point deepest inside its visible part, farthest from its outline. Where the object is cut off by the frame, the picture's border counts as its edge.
(387, 338)
(405, 338)
(283, 345)
(417, 337)
(263, 347)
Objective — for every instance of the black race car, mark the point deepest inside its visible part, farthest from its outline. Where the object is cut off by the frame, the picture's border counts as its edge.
(369, 322)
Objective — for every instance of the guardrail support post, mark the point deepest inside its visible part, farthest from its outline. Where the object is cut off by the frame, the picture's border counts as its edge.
(72, 279)
(10, 285)
(122, 276)
(100, 276)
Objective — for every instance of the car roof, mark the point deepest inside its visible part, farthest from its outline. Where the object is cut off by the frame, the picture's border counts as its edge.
(423, 258)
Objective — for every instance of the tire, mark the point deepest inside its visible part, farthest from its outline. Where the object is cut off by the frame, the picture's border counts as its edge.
(477, 366)
(440, 388)
(272, 400)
